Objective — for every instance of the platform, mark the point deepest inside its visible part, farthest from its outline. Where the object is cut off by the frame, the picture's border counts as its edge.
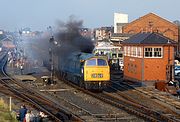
(25, 77)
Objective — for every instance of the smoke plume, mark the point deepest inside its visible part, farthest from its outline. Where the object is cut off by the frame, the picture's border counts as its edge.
(70, 39)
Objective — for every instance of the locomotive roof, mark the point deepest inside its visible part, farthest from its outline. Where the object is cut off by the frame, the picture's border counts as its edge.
(83, 56)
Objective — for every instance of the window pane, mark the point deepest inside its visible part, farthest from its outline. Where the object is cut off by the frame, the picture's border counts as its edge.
(101, 62)
(128, 51)
(91, 62)
(157, 52)
(148, 52)
(139, 51)
(120, 55)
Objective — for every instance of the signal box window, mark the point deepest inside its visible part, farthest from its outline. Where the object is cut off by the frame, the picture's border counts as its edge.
(101, 62)
(154, 52)
(157, 52)
(139, 52)
(148, 52)
(91, 62)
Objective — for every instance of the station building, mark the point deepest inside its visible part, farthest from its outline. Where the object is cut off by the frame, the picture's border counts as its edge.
(149, 57)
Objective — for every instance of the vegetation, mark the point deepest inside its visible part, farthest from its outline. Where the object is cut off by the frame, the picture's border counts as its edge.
(5, 114)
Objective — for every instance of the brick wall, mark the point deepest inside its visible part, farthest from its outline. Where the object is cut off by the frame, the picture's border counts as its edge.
(148, 69)
(153, 23)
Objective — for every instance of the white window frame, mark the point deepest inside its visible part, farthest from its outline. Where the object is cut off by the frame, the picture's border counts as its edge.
(125, 51)
(139, 52)
(153, 48)
(133, 51)
(159, 52)
(128, 51)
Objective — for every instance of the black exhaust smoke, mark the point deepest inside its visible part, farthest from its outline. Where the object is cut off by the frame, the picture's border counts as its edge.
(70, 39)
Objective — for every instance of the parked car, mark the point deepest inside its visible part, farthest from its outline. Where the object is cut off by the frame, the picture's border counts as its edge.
(177, 63)
(177, 70)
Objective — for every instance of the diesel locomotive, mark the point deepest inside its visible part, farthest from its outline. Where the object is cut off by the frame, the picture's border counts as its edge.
(86, 70)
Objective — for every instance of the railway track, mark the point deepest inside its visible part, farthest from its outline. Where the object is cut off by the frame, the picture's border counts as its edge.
(80, 111)
(55, 111)
(122, 101)
(144, 102)
(129, 105)
(148, 97)
(88, 114)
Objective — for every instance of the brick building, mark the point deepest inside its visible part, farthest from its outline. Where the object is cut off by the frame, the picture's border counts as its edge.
(153, 23)
(148, 57)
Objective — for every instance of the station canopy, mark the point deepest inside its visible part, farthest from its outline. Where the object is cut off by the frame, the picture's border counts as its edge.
(105, 46)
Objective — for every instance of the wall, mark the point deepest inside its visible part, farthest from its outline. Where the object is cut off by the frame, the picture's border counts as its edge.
(155, 68)
(148, 69)
(132, 68)
(152, 23)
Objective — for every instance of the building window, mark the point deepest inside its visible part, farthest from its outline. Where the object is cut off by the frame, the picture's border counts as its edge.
(153, 52)
(157, 52)
(139, 52)
(114, 55)
(125, 50)
(148, 52)
(128, 51)
(120, 55)
(134, 51)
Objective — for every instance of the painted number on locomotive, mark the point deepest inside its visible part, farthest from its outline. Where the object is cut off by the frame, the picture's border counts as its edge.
(97, 76)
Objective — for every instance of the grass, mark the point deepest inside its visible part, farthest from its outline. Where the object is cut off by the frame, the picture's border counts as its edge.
(5, 114)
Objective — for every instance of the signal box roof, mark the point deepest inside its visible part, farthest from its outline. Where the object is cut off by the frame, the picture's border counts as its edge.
(149, 39)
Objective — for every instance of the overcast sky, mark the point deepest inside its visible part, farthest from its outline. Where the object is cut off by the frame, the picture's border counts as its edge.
(38, 14)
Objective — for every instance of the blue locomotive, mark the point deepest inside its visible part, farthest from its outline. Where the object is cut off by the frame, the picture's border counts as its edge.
(86, 70)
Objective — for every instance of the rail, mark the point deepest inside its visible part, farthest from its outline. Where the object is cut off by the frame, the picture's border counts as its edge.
(137, 104)
(129, 106)
(57, 112)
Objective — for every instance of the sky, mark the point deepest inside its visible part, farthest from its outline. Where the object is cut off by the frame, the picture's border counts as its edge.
(39, 14)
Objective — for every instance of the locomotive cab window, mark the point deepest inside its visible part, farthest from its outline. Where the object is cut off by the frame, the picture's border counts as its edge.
(101, 62)
(91, 62)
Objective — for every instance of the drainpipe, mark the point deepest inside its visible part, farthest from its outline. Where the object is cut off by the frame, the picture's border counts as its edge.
(168, 65)
(142, 64)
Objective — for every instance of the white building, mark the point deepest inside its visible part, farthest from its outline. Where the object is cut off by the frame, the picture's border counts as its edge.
(119, 21)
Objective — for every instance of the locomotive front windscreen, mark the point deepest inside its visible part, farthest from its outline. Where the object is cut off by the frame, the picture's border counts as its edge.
(96, 62)
(101, 62)
(91, 62)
